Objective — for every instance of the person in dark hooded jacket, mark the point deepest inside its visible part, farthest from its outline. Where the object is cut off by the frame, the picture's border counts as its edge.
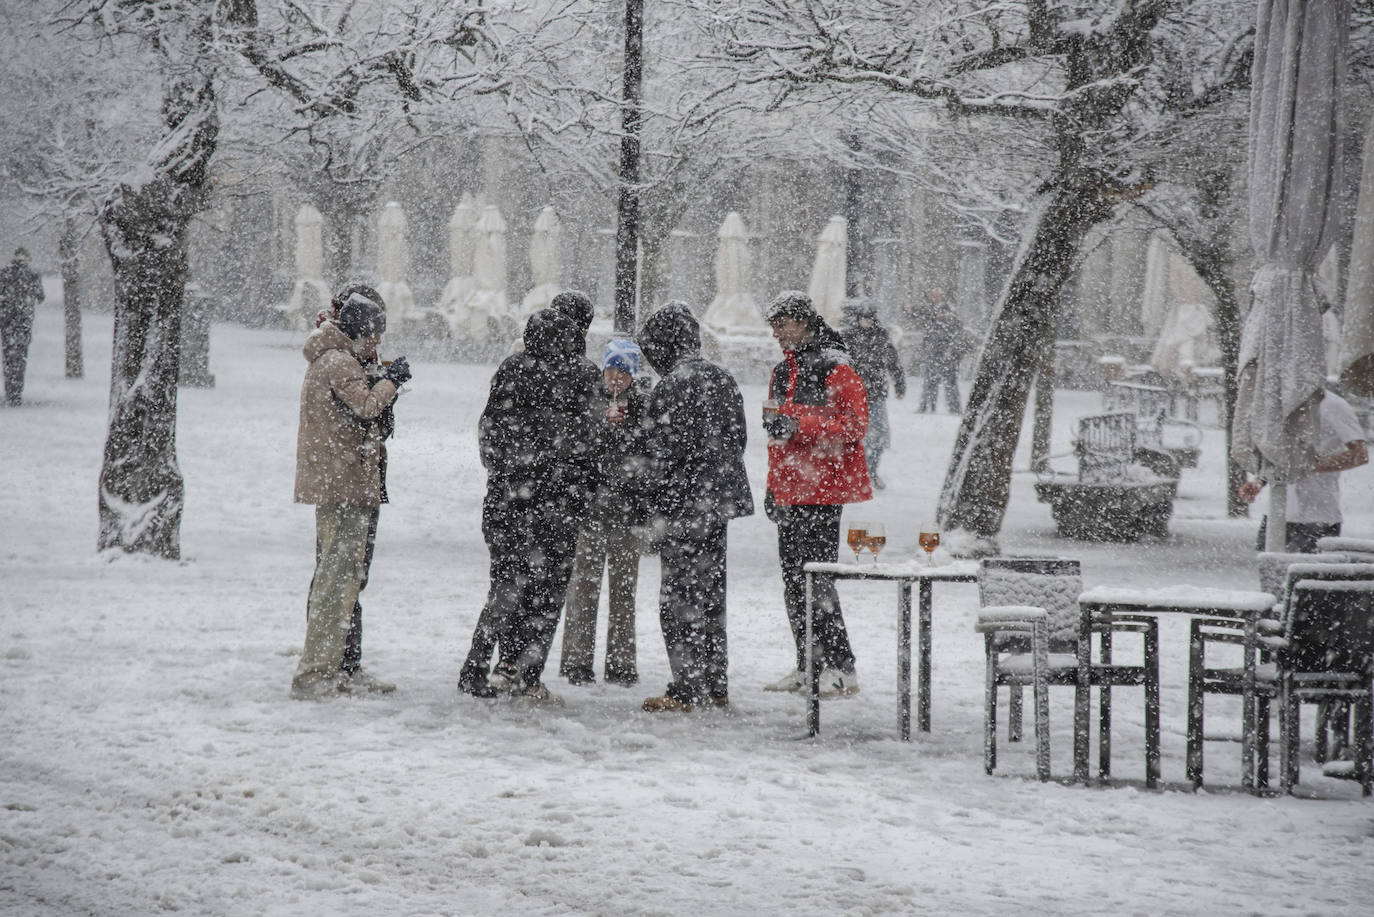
(538, 443)
(875, 359)
(692, 484)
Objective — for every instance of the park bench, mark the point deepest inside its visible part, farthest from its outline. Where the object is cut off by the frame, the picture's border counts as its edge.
(1121, 491)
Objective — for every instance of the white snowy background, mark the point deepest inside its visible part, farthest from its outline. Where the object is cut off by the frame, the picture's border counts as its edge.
(152, 761)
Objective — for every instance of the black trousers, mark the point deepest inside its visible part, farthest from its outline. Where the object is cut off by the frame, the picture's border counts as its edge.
(16, 330)
(691, 610)
(532, 549)
(937, 374)
(353, 642)
(812, 533)
(1299, 537)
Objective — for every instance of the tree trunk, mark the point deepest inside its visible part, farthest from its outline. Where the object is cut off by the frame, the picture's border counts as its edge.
(627, 206)
(68, 255)
(141, 489)
(1044, 411)
(978, 482)
(1213, 267)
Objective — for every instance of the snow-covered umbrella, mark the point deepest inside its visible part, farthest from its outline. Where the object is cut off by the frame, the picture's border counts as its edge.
(827, 287)
(734, 306)
(1295, 136)
(310, 293)
(546, 262)
(1356, 358)
(393, 260)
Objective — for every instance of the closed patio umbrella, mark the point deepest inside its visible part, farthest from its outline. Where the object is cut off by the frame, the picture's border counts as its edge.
(1295, 136)
(1356, 358)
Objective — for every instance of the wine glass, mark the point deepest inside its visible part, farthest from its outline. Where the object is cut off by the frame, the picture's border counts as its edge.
(929, 540)
(875, 538)
(857, 537)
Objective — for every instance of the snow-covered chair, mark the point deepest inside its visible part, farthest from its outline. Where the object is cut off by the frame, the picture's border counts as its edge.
(1122, 490)
(1327, 656)
(1360, 549)
(1029, 620)
(1277, 573)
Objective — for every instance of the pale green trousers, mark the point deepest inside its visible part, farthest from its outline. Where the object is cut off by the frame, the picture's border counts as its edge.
(341, 530)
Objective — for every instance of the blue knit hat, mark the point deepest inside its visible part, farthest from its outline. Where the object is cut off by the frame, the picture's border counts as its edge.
(622, 355)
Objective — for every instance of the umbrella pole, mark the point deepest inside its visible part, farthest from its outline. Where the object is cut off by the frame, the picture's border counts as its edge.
(1276, 529)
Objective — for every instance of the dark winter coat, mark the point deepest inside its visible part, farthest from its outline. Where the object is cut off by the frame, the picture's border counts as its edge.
(946, 342)
(694, 430)
(537, 436)
(21, 289)
(621, 450)
(823, 462)
(871, 353)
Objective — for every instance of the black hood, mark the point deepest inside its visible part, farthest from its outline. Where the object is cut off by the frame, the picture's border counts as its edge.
(551, 336)
(825, 337)
(669, 336)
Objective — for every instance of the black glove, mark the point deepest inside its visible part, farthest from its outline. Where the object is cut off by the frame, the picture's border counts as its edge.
(780, 426)
(398, 373)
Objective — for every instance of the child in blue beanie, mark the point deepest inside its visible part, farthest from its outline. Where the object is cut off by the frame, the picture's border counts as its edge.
(605, 541)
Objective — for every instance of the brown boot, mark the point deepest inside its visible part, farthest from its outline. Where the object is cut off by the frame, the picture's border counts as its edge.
(666, 704)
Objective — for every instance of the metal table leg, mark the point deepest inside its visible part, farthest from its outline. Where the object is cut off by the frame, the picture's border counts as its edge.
(904, 661)
(813, 672)
(923, 644)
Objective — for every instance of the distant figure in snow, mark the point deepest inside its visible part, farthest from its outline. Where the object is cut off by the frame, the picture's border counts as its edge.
(537, 441)
(816, 419)
(1313, 506)
(875, 359)
(692, 484)
(21, 290)
(945, 344)
(606, 541)
(338, 469)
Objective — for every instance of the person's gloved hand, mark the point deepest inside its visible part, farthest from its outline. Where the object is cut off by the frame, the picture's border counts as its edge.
(780, 426)
(398, 373)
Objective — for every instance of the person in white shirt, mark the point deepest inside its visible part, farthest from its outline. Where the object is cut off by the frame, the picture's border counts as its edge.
(1314, 501)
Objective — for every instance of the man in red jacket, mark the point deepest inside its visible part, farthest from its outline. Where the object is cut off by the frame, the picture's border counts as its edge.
(816, 418)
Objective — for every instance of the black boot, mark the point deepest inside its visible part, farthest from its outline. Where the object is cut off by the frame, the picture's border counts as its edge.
(473, 680)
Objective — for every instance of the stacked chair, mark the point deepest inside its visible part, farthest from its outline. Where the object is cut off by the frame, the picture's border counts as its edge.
(1279, 573)
(1326, 657)
(1029, 618)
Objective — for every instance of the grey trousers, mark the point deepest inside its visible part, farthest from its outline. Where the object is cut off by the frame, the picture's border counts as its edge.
(612, 547)
(341, 531)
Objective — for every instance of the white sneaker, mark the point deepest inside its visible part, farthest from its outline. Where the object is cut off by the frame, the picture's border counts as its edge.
(835, 683)
(794, 681)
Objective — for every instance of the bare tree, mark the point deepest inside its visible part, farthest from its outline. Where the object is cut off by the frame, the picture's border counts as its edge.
(367, 56)
(1070, 75)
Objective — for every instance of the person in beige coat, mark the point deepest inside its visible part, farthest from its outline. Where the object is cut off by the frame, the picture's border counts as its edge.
(338, 450)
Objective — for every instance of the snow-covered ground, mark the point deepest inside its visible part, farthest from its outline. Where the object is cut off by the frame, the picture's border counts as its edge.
(153, 762)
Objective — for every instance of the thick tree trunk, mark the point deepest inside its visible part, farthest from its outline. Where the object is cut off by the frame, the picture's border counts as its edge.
(978, 482)
(68, 255)
(141, 488)
(1213, 268)
(144, 227)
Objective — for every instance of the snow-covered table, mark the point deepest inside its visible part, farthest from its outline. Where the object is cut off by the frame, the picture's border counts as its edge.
(903, 573)
(1101, 603)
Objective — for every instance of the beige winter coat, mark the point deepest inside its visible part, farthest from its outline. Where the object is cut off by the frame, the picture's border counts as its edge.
(337, 451)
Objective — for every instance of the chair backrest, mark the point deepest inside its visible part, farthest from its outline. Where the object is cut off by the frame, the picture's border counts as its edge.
(1105, 447)
(1331, 627)
(1273, 568)
(1343, 544)
(1051, 583)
